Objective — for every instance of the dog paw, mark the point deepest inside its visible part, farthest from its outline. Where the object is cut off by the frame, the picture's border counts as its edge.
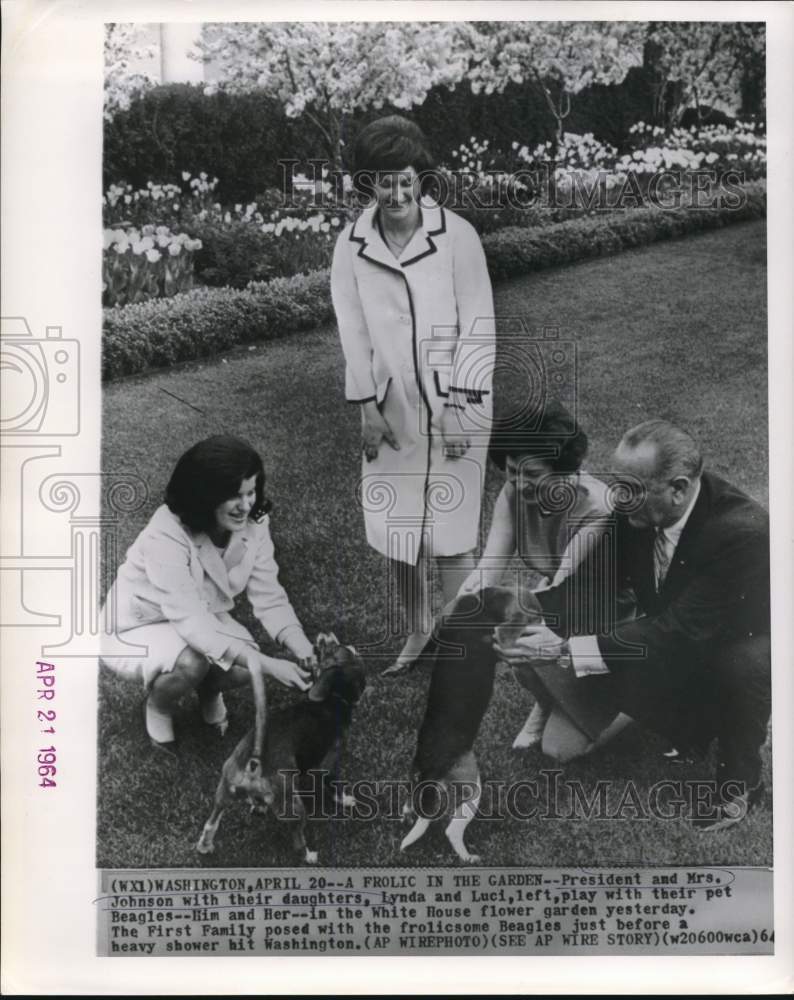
(205, 847)
(470, 859)
(348, 801)
(310, 857)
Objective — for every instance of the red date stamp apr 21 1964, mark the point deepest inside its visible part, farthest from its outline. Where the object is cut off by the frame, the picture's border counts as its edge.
(45, 716)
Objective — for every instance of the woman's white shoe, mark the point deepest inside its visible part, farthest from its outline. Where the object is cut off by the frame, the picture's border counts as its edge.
(159, 724)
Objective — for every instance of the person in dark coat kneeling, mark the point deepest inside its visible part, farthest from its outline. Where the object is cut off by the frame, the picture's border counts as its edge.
(695, 662)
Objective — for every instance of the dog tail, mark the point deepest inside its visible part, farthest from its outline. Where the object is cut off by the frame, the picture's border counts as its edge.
(260, 718)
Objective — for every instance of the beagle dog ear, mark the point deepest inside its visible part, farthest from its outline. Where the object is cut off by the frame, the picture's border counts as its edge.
(324, 642)
(320, 645)
(321, 688)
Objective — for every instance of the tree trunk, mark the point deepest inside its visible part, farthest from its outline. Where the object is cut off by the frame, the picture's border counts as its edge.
(334, 141)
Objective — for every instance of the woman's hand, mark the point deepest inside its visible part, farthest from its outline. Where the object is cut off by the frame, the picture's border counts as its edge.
(288, 673)
(375, 430)
(302, 650)
(284, 671)
(456, 440)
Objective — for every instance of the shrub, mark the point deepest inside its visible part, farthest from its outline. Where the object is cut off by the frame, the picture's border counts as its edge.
(232, 254)
(204, 321)
(175, 127)
(194, 324)
(236, 252)
(512, 252)
(301, 302)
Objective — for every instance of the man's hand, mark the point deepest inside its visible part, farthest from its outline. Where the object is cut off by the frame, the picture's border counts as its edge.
(537, 644)
(375, 430)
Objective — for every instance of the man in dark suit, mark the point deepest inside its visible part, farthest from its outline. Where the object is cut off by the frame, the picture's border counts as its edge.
(694, 662)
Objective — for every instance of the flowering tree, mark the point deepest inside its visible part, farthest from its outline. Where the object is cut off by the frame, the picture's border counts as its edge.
(705, 62)
(326, 70)
(559, 58)
(126, 72)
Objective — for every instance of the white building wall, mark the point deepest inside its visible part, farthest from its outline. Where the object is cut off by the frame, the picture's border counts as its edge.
(176, 41)
(168, 45)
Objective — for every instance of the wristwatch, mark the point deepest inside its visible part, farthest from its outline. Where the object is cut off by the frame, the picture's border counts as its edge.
(565, 659)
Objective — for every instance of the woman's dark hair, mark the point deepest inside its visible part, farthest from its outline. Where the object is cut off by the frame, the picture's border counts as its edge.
(391, 143)
(551, 434)
(209, 473)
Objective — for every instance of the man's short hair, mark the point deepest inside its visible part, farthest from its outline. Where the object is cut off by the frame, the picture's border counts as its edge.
(676, 451)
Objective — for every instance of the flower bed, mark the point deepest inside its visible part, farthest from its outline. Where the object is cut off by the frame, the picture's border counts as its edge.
(582, 176)
(205, 321)
(146, 264)
(493, 189)
(229, 247)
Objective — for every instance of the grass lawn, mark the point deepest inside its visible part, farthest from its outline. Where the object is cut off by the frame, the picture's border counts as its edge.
(675, 330)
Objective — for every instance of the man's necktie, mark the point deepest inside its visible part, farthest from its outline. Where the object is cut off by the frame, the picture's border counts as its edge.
(661, 558)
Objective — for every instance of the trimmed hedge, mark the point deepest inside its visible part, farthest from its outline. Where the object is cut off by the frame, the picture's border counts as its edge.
(205, 321)
(513, 252)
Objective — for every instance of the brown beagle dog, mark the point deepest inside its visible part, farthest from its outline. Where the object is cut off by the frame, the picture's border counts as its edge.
(460, 690)
(298, 739)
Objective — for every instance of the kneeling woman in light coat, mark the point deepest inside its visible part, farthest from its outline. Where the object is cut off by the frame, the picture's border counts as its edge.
(206, 544)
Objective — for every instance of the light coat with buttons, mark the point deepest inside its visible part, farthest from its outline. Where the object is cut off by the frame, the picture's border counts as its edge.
(411, 330)
(171, 574)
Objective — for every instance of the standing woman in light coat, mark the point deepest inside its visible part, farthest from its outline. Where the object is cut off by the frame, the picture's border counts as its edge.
(414, 307)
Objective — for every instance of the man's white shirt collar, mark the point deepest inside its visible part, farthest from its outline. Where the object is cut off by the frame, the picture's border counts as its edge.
(584, 649)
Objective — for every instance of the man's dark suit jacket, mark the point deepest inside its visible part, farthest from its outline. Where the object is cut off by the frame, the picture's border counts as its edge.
(716, 591)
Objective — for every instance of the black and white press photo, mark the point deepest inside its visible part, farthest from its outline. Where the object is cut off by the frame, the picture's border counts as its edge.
(397, 313)
(427, 573)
